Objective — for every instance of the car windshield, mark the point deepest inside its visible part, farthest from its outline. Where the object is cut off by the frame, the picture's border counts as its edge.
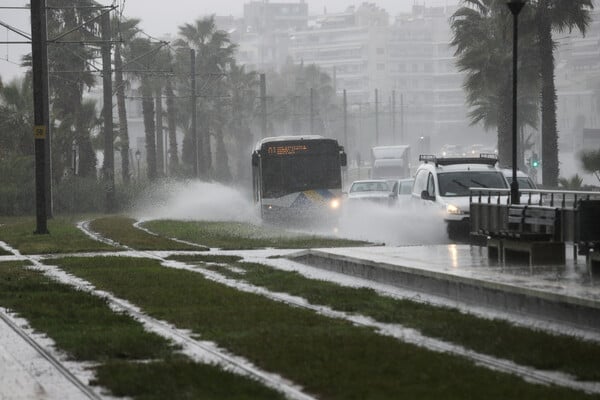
(453, 184)
(369, 187)
(406, 187)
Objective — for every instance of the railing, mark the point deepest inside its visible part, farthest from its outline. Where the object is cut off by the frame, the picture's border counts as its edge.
(490, 208)
(539, 197)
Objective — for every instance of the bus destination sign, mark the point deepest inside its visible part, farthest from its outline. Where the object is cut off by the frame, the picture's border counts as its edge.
(287, 150)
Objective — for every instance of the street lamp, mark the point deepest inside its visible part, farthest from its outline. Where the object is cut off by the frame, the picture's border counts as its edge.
(515, 7)
(138, 155)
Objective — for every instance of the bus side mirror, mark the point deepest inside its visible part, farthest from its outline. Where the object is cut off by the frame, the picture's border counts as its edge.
(254, 159)
(343, 159)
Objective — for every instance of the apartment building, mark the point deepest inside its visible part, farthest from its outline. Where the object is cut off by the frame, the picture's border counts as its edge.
(578, 84)
(351, 45)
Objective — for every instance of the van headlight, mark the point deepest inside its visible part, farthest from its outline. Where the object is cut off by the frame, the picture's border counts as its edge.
(453, 210)
(334, 204)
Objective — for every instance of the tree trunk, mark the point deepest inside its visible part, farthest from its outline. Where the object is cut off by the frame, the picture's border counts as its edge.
(172, 122)
(222, 172)
(160, 153)
(122, 111)
(550, 169)
(149, 129)
(204, 148)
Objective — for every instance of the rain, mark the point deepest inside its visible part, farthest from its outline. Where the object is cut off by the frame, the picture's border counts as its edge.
(436, 153)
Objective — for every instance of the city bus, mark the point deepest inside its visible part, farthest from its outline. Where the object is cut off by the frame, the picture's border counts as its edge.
(298, 176)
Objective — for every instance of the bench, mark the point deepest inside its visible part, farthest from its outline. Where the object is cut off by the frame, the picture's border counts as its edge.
(533, 231)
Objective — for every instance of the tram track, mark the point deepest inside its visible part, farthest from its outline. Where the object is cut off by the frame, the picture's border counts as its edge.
(55, 363)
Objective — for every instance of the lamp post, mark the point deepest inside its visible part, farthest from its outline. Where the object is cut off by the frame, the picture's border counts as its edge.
(515, 7)
(138, 155)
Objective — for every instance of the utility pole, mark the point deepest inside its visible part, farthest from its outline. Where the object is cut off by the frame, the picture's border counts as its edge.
(334, 79)
(194, 122)
(401, 117)
(263, 104)
(376, 116)
(345, 120)
(109, 156)
(312, 111)
(393, 116)
(40, 92)
(160, 150)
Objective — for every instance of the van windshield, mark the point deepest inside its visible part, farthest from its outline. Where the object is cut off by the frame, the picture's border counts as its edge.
(453, 184)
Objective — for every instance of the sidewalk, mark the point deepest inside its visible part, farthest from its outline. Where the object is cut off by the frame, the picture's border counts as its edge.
(463, 274)
(25, 373)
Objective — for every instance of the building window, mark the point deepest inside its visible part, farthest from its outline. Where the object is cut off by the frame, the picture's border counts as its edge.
(380, 50)
(380, 67)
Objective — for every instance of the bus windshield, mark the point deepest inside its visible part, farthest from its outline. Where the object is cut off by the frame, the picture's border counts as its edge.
(284, 175)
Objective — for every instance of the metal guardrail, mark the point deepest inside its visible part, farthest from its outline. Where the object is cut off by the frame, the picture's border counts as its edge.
(578, 212)
(550, 198)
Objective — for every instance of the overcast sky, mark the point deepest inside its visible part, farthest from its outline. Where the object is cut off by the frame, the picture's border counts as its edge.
(160, 17)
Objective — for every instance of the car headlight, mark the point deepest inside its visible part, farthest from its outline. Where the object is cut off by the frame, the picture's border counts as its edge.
(334, 204)
(452, 209)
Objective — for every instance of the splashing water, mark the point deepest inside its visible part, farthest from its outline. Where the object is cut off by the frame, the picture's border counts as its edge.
(394, 226)
(209, 201)
(197, 201)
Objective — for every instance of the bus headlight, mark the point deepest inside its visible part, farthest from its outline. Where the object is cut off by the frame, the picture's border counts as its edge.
(452, 209)
(334, 204)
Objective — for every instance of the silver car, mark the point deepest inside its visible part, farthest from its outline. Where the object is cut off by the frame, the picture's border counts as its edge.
(374, 191)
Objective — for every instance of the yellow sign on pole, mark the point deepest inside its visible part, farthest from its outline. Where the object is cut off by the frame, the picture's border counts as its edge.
(39, 132)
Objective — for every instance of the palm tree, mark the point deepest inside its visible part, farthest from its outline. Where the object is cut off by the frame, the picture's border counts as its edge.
(558, 15)
(140, 53)
(67, 91)
(481, 31)
(16, 115)
(293, 83)
(214, 54)
(161, 62)
(124, 30)
(172, 126)
(243, 91)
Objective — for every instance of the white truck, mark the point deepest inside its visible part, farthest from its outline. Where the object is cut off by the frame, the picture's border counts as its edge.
(390, 162)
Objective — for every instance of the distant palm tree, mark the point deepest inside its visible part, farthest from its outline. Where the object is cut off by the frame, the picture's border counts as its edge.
(172, 126)
(214, 53)
(558, 15)
(161, 62)
(573, 183)
(141, 50)
(590, 161)
(124, 30)
(243, 88)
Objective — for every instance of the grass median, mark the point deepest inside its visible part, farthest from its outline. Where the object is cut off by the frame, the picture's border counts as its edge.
(330, 358)
(243, 236)
(64, 236)
(494, 337)
(121, 230)
(129, 360)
